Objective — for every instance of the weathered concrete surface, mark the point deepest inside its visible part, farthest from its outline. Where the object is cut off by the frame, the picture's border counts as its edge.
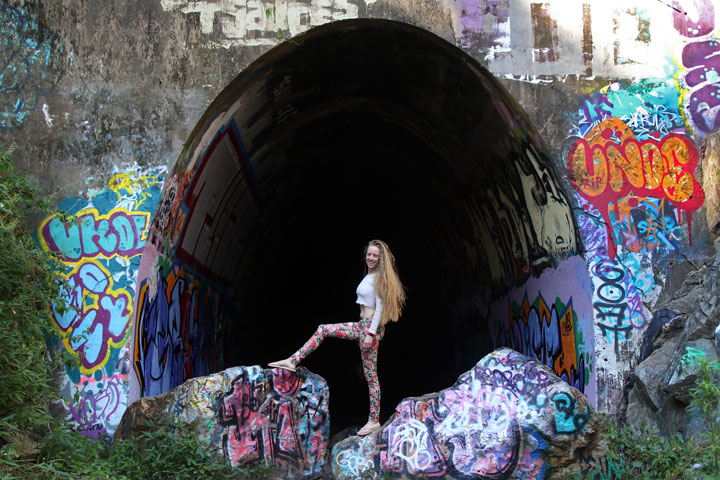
(247, 414)
(508, 417)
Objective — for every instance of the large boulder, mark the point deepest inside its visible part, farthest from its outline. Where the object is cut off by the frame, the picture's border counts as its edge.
(248, 414)
(508, 417)
(684, 368)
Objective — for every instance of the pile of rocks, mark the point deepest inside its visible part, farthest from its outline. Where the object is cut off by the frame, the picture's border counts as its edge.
(683, 330)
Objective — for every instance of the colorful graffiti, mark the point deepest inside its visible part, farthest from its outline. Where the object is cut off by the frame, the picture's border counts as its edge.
(486, 23)
(698, 77)
(548, 334)
(619, 283)
(558, 333)
(26, 51)
(97, 401)
(100, 246)
(600, 468)
(281, 418)
(498, 420)
(175, 332)
(610, 163)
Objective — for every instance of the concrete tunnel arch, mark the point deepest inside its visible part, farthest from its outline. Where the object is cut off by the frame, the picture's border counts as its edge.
(355, 130)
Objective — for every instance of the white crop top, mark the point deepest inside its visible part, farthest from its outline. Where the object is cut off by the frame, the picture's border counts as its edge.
(367, 296)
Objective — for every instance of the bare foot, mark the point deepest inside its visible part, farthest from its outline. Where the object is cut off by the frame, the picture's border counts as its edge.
(369, 428)
(286, 364)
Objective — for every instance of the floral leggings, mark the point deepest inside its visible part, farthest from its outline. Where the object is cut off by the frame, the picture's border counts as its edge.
(351, 331)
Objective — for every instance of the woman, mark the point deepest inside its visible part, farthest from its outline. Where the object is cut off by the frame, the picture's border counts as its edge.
(381, 297)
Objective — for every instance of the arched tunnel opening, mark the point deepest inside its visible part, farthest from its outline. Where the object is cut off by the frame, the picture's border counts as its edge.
(356, 130)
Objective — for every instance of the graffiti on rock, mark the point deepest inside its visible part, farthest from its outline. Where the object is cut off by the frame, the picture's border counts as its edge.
(602, 468)
(26, 55)
(698, 78)
(549, 334)
(498, 420)
(281, 418)
(100, 248)
(611, 163)
(175, 329)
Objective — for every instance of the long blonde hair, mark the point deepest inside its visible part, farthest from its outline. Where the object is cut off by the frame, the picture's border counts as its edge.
(387, 283)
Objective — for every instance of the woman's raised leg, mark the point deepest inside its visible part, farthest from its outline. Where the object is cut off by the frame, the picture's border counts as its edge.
(349, 331)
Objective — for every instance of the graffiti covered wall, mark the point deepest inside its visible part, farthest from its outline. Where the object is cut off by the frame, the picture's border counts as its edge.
(622, 92)
(549, 319)
(100, 244)
(181, 312)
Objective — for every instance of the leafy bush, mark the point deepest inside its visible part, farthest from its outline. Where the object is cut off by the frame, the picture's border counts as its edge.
(29, 284)
(650, 456)
(167, 451)
(705, 396)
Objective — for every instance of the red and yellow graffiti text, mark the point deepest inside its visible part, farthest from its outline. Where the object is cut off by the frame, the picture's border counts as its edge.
(610, 163)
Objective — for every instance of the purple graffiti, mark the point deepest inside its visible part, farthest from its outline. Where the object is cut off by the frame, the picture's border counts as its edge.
(702, 80)
(693, 18)
(545, 334)
(594, 109)
(94, 409)
(173, 334)
(485, 23)
(481, 427)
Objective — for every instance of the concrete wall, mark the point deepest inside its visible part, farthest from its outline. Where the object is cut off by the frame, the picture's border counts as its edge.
(98, 98)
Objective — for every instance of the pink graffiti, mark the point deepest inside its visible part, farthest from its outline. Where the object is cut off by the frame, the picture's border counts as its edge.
(263, 422)
(693, 18)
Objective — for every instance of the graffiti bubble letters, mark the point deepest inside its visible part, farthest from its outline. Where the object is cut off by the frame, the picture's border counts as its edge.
(610, 163)
(701, 82)
(547, 333)
(118, 233)
(97, 317)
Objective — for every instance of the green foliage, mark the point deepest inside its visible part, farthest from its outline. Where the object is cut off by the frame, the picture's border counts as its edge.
(169, 450)
(705, 396)
(650, 456)
(29, 283)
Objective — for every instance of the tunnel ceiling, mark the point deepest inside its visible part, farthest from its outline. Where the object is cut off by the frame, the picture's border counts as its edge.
(368, 107)
(357, 130)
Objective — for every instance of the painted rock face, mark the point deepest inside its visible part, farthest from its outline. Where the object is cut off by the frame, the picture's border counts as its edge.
(506, 417)
(249, 414)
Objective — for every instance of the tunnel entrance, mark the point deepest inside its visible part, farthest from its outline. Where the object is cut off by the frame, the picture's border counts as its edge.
(356, 130)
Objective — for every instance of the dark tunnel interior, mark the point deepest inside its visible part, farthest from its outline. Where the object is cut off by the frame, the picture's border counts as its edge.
(370, 184)
(375, 129)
